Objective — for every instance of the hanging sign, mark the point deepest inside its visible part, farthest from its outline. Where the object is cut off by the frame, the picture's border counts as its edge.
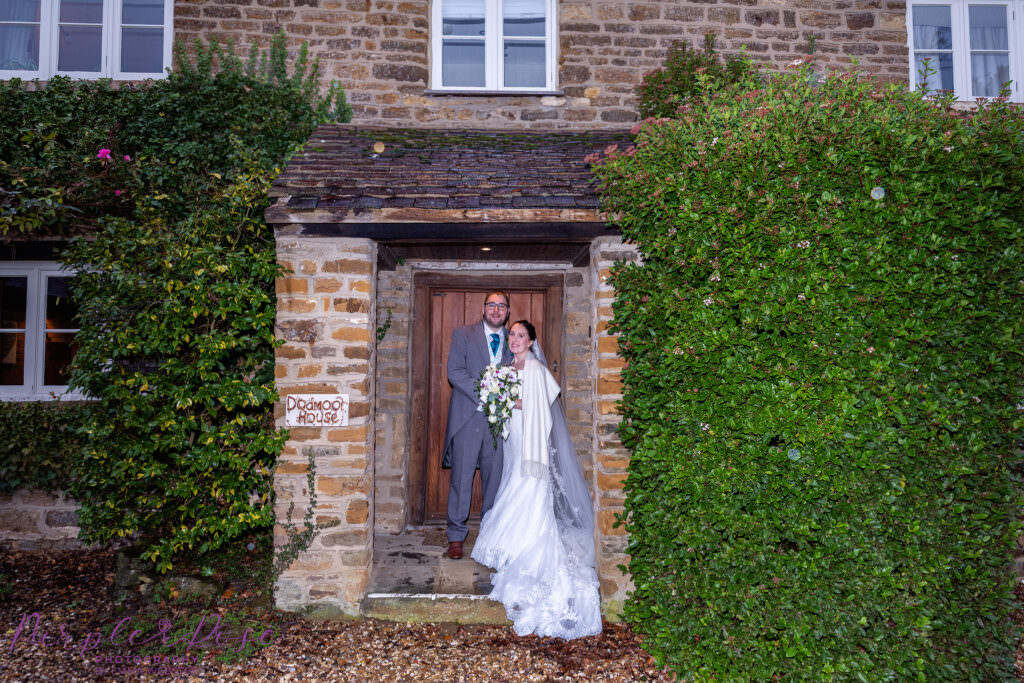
(316, 410)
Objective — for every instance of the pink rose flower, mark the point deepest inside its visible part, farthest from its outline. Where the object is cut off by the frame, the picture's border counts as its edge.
(103, 154)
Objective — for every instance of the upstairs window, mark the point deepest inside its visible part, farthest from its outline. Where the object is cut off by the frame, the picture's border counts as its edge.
(969, 48)
(120, 39)
(37, 330)
(499, 45)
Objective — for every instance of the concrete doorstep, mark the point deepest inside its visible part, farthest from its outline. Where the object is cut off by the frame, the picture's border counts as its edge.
(414, 580)
(433, 608)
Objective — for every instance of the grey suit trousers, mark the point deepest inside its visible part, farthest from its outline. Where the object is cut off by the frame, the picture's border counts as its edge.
(475, 448)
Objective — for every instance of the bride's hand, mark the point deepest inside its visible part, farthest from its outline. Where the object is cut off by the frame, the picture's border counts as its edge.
(519, 403)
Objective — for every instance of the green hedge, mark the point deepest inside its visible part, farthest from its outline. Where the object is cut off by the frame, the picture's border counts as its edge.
(824, 382)
(687, 72)
(176, 291)
(40, 445)
(176, 346)
(168, 140)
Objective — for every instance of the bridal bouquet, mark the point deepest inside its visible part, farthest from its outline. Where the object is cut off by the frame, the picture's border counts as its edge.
(498, 390)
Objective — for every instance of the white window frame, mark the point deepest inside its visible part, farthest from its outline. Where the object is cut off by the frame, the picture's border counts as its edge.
(961, 44)
(37, 274)
(494, 39)
(49, 15)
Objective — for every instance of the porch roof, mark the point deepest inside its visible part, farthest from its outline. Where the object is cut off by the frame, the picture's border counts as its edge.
(440, 189)
(349, 174)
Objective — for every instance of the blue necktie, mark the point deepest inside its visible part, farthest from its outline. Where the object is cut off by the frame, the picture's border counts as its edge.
(495, 341)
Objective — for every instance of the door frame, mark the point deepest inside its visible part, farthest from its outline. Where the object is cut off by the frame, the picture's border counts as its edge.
(423, 284)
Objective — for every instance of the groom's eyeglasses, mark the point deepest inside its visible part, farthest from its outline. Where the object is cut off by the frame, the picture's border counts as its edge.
(495, 307)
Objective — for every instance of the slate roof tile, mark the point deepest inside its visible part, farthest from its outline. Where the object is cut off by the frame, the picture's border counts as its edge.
(348, 167)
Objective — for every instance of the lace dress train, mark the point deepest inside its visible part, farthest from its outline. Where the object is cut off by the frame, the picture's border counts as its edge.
(547, 588)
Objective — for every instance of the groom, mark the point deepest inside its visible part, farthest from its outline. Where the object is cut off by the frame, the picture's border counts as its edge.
(468, 443)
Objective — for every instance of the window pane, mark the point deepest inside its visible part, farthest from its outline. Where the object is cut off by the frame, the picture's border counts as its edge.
(81, 11)
(60, 308)
(149, 12)
(988, 27)
(462, 17)
(524, 64)
(60, 349)
(19, 47)
(12, 359)
(462, 63)
(933, 27)
(989, 73)
(524, 17)
(80, 48)
(13, 298)
(142, 50)
(19, 10)
(940, 65)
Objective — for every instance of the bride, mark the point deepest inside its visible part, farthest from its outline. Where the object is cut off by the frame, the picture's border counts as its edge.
(539, 535)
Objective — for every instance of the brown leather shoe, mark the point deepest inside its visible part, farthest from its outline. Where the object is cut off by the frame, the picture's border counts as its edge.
(455, 550)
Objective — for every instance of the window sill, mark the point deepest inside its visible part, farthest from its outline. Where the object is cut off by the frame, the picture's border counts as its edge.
(25, 397)
(43, 79)
(495, 93)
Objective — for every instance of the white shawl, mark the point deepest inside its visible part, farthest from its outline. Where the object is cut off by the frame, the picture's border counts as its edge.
(539, 391)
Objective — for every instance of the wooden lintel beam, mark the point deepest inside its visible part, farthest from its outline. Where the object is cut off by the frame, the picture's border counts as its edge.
(386, 259)
(283, 214)
(465, 233)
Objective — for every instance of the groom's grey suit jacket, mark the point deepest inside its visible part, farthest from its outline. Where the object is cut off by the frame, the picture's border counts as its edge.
(467, 358)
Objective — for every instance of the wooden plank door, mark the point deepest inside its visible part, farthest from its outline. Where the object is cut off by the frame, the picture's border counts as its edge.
(449, 308)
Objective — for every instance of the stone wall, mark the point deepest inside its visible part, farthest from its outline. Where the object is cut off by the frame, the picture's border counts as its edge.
(36, 520)
(578, 370)
(379, 50)
(612, 458)
(394, 294)
(591, 386)
(326, 316)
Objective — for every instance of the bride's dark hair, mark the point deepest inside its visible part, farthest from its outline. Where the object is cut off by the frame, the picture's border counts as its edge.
(530, 330)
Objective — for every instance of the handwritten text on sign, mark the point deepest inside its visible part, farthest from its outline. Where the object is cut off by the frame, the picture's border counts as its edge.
(316, 410)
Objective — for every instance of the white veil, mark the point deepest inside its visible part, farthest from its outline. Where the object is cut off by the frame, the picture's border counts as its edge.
(574, 509)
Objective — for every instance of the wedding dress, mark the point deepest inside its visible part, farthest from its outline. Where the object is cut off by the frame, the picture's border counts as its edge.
(539, 533)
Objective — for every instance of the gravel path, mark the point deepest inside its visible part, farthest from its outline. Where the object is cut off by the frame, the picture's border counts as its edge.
(70, 640)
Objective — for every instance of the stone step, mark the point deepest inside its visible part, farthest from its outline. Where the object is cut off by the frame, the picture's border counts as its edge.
(462, 608)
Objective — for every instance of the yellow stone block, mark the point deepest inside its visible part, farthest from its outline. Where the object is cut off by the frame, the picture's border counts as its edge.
(358, 512)
(327, 285)
(358, 434)
(291, 285)
(354, 334)
(606, 521)
(296, 305)
(342, 486)
(310, 370)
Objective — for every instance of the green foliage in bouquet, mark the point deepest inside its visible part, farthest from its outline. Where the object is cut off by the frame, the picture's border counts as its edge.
(824, 382)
